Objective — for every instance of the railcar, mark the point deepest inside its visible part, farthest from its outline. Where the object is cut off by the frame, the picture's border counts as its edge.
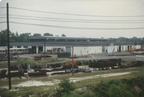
(15, 51)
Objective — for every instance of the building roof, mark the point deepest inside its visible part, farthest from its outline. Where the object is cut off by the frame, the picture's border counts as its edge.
(74, 38)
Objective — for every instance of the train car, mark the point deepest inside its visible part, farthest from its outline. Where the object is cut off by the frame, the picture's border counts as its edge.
(15, 51)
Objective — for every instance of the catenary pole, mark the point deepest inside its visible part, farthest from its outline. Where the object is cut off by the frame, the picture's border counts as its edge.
(8, 46)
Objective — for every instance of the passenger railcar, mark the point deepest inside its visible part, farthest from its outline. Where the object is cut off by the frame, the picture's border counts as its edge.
(15, 51)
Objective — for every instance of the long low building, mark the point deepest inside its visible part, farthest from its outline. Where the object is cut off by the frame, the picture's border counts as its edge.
(82, 46)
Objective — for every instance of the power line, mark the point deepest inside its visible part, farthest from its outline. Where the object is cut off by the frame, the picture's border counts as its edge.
(71, 13)
(2, 7)
(55, 26)
(2, 14)
(3, 22)
(78, 19)
(51, 17)
(81, 21)
(86, 21)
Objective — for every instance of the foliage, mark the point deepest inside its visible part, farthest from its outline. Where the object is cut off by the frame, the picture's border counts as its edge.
(63, 35)
(6, 93)
(47, 34)
(137, 84)
(13, 37)
(26, 61)
(75, 94)
(36, 34)
(3, 38)
(124, 39)
(119, 89)
(114, 88)
(72, 94)
(23, 37)
(65, 87)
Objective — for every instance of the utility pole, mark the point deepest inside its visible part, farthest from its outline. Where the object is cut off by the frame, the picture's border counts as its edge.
(72, 59)
(44, 47)
(8, 46)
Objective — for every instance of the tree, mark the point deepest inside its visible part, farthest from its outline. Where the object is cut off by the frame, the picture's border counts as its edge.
(63, 35)
(14, 37)
(47, 34)
(24, 37)
(3, 37)
(37, 34)
(142, 40)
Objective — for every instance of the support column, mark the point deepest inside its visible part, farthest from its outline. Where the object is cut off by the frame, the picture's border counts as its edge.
(44, 49)
(37, 49)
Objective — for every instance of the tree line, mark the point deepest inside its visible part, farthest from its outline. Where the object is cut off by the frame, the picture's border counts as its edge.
(23, 37)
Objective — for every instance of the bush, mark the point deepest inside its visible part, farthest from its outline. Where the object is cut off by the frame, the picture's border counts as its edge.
(75, 94)
(65, 87)
(88, 94)
(119, 91)
(7, 93)
(137, 84)
(114, 88)
(72, 94)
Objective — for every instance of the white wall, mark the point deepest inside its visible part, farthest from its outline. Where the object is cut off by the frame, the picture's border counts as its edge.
(114, 48)
(80, 51)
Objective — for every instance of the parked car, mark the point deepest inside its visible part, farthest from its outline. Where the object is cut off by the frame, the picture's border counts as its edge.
(87, 70)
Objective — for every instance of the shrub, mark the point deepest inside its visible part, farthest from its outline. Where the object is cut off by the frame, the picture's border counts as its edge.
(65, 87)
(7, 93)
(75, 94)
(137, 84)
(87, 94)
(72, 94)
(114, 88)
(119, 91)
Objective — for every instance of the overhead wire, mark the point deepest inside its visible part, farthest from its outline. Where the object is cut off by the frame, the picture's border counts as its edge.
(2, 14)
(3, 22)
(25, 17)
(80, 20)
(46, 17)
(62, 13)
(71, 13)
(2, 7)
(67, 27)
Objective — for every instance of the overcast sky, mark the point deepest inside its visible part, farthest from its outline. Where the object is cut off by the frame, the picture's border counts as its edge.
(76, 18)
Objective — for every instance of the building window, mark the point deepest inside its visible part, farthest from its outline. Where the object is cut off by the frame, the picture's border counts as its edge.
(18, 46)
(25, 46)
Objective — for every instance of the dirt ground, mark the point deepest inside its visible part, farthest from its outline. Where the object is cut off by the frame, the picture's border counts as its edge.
(73, 79)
